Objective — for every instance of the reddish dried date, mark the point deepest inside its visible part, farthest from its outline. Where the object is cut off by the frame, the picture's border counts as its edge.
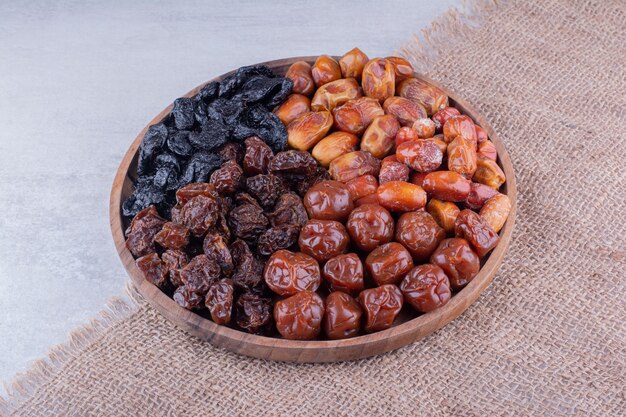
(257, 156)
(278, 237)
(186, 298)
(323, 239)
(265, 189)
(381, 306)
(199, 214)
(342, 318)
(419, 233)
(426, 288)
(253, 313)
(393, 171)
(287, 273)
(370, 225)
(200, 273)
(353, 164)
(328, 200)
(293, 163)
(289, 210)
(472, 227)
(447, 186)
(172, 236)
(389, 263)
(458, 261)
(247, 222)
(153, 269)
(142, 230)
(174, 261)
(189, 191)
(248, 272)
(299, 317)
(362, 186)
(215, 247)
(344, 273)
(421, 155)
(219, 301)
(478, 195)
(227, 179)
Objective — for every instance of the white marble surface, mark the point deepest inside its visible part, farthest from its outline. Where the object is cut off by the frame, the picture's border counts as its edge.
(78, 80)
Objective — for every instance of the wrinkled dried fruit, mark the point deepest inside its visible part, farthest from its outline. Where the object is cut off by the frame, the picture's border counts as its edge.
(297, 164)
(481, 135)
(173, 262)
(458, 261)
(334, 94)
(352, 64)
(419, 233)
(328, 200)
(288, 210)
(219, 301)
(475, 229)
(487, 150)
(325, 70)
(308, 129)
(428, 96)
(278, 237)
(199, 214)
(426, 288)
(489, 173)
(247, 221)
(441, 117)
(257, 156)
(362, 186)
(460, 126)
(172, 236)
(287, 273)
(444, 213)
(462, 157)
(142, 230)
(342, 318)
(189, 191)
(495, 211)
(441, 144)
(405, 110)
(200, 273)
(389, 263)
(333, 146)
(153, 269)
(401, 196)
(478, 195)
(187, 298)
(370, 225)
(248, 272)
(421, 155)
(381, 306)
(380, 136)
(352, 165)
(401, 68)
(393, 171)
(447, 186)
(299, 317)
(323, 239)
(292, 108)
(356, 115)
(231, 151)
(417, 178)
(215, 247)
(253, 313)
(300, 73)
(344, 273)
(379, 80)
(227, 179)
(425, 128)
(405, 134)
(265, 189)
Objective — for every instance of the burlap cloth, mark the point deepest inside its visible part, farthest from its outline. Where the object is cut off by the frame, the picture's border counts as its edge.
(547, 337)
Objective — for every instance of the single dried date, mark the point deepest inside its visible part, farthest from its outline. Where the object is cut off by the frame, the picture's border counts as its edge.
(253, 313)
(289, 210)
(248, 270)
(142, 230)
(199, 274)
(174, 261)
(215, 247)
(199, 214)
(153, 269)
(219, 301)
(278, 237)
(172, 236)
(247, 222)
(187, 298)
(265, 189)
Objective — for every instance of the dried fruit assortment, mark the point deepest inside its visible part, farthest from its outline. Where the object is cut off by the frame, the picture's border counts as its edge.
(321, 204)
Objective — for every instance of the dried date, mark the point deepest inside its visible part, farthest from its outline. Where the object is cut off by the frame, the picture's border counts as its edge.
(278, 237)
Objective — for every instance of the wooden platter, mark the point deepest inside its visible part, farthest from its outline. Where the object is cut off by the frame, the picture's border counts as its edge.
(407, 329)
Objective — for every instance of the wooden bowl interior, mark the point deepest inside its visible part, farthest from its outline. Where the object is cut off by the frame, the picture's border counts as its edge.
(407, 327)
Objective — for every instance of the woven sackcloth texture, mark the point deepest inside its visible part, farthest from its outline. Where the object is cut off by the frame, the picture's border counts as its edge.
(548, 335)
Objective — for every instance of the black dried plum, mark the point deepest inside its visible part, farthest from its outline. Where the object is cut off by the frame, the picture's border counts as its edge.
(226, 111)
(253, 313)
(178, 143)
(259, 88)
(279, 95)
(153, 141)
(209, 91)
(278, 237)
(231, 83)
(200, 167)
(293, 163)
(289, 210)
(265, 189)
(145, 195)
(247, 222)
(273, 132)
(199, 110)
(231, 152)
(183, 113)
(212, 135)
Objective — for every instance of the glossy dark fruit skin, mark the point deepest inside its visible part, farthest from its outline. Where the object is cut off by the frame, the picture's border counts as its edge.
(381, 306)
(172, 236)
(257, 156)
(342, 318)
(174, 261)
(247, 221)
(421, 155)
(200, 273)
(477, 231)
(323, 239)
(215, 247)
(288, 210)
(248, 269)
(447, 186)
(153, 269)
(419, 233)
(299, 317)
(389, 263)
(278, 237)
(199, 214)
(287, 273)
(189, 191)
(219, 301)
(344, 273)
(353, 164)
(228, 178)
(265, 189)
(142, 230)
(478, 195)
(399, 196)
(457, 259)
(186, 298)
(426, 288)
(253, 313)
(293, 164)
(370, 225)
(328, 200)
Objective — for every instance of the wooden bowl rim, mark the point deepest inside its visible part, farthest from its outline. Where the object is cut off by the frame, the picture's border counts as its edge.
(258, 345)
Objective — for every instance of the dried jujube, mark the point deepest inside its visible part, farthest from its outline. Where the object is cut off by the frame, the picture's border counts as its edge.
(323, 239)
(342, 316)
(219, 301)
(381, 306)
(344, 273)
(299, 317)
(287, 273)
(426, 288)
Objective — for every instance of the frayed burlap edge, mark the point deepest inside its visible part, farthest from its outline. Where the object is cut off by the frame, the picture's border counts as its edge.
(23, 385)
(422, 51)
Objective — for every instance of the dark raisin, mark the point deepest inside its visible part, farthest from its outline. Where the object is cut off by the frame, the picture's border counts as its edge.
(219, 301)
(248, 272)
(153, 269)
(247, 221)
(172, 236)
(253, 313)
(293, 163)
(215, 247)
(231, 152)
(209, 91)
(187, 298)
(265, 188)
(257, 156)
(199, 214)
(178, 143)
(245, 198)
(279, 237)
(174, 261)
(153, 141)
(228, 178)
(211, 136)
(289, 210)
(142, 230)
(200, 273)
(200, 167)
(183, 113)
(221, 227)
(200, 111)
(233, 82)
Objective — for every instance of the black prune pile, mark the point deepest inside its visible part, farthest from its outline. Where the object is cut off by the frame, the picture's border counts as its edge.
(209, 251)
(203, 131)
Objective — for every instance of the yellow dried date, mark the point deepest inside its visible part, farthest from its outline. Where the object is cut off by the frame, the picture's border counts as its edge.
(496, 210)
(353, 164)
(380, 136)
(379, 80)
(300, 73)
(444, 213)
(402, 68)
(355, 116)
(292, 108)
(352, 64)
(308, 129)
(489, 173)
(462, 157)
(333, 146)
(405, 110)
(426, 95)
(335, 93)
(325, 70)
